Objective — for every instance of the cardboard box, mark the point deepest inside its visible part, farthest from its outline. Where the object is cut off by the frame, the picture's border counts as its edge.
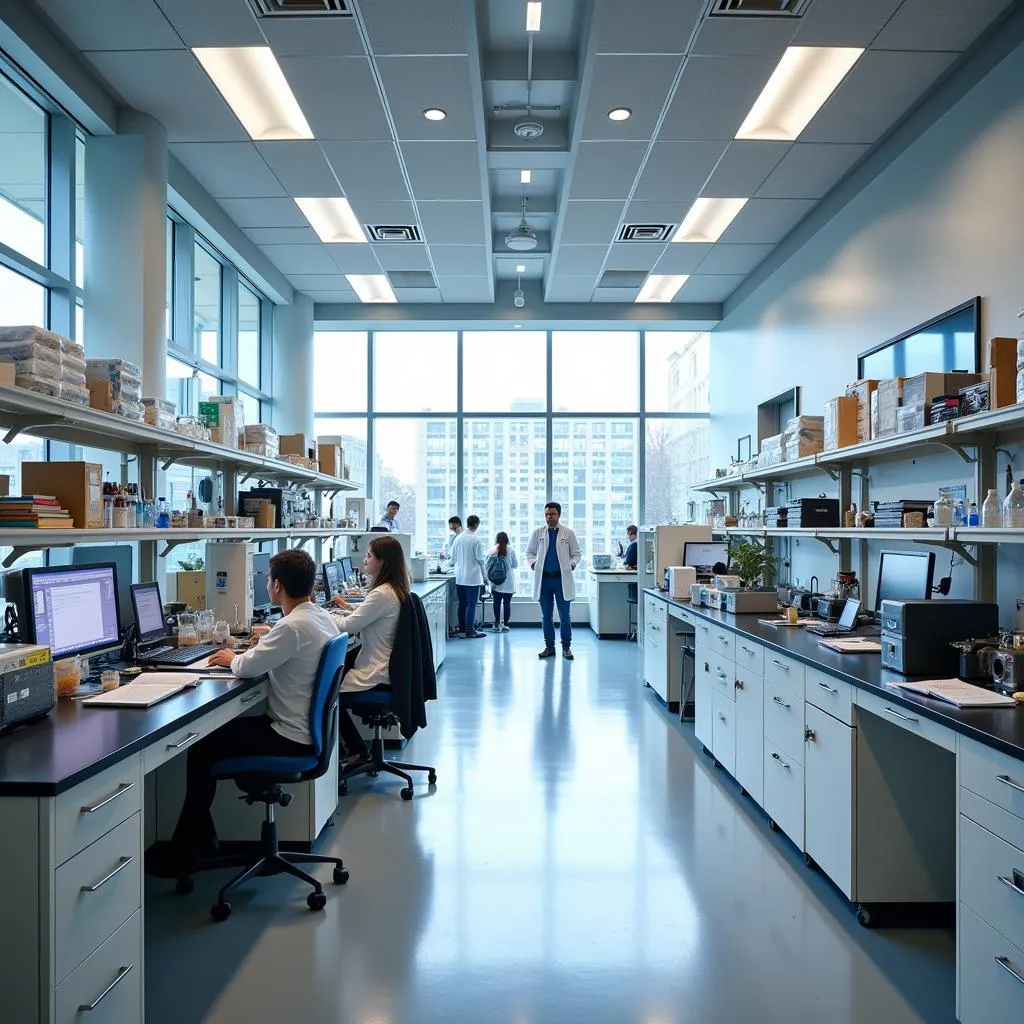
(874, 414)
(1003, 390)
(890, 398)
(976, 398)
(329, 457)
(862, 390)
(101, 395)
(190, 587)
(78, 486)
(225, 418)
(1002, 352)
(298, 444)
(925, 387)
(841, 422)
(5, 485)
(8, 372)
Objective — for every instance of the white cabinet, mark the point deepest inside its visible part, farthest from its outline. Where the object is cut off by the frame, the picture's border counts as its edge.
(784, 791)
(723, 731)
(703, 692)
(656, 649)
(990, 973)
(749, 692)
(784, 719)
(829, 772)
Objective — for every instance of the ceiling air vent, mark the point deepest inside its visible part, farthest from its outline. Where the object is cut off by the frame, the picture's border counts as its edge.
(411, 279)
(393, 232)
(645, 232)
(300, 8)
(622, 279)
(759, 8)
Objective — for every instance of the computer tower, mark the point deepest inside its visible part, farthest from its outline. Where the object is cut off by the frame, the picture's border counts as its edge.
(229, 590)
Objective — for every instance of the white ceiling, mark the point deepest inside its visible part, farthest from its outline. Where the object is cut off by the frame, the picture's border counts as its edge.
(364, 81)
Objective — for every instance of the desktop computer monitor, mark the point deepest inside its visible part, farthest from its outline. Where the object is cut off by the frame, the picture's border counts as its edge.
(149, 612)
(121, 556)
(346, 567)
(260, 579)
(333, 579)
(703, 556)
(72, 609)
(904, 576)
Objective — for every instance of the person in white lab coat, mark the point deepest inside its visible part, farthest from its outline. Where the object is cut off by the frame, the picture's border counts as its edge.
(553, 553)
(468, 558)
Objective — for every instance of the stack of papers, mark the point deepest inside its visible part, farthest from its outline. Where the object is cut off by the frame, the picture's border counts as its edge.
(957, 692)
(852, 644)
(146, 690)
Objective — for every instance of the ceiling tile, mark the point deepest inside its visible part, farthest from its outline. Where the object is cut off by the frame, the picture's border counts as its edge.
(338, 96)
(681, 259)
(744, 37)
(763, 221)
(374, 211)
(714, 96)
(460, 260)
(412, 84)
(505, 267)
(639, 83)
(647, 26)
(401, 255)
(880, 88)
(590, 222)
(443, 170)
(605, 170)
(283, 236)
(570, 289)
(654, 211)
(367, 170)
(732, 259)
(201, 23)
(937, 24)
(354, 259)
(743, 167)
(301, 167)
(312, 37)
(634, 255)
(809, 170)
(676, 171)
(618, 295)
(113, 25)
(840, 23)
(228, 169)
(466, 289)
(299, 259)
(578, 260)
(398, 27)
(335, 295)
(264, 213)
(709, 287)
(319, 282)
(417, 295)
(453, 223)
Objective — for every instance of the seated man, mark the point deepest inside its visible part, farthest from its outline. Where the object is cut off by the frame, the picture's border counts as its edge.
(290, 655)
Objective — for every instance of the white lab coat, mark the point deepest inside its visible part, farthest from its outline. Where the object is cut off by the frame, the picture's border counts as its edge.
(568, 558)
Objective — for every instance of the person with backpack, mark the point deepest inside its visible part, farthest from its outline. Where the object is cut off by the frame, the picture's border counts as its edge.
(500, 570)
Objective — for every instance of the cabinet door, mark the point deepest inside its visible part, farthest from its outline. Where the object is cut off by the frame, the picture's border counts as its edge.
(784, 791)
(723, 732)
(655, 667)
(829, 773)
(702, 696)
(749, 689)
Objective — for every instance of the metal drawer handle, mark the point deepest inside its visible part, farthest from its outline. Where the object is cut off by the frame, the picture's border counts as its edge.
(121, 865)
(829, 689)
(808, 735)
(723, 637)
(896, 714)
(250, 698)
(780, 664)
(121, 790)
(1009, 782)
(721, 717)
(121, 975)
(779, 759)
(722, 675)
(782, 703)
(1011, 884)
(746, 650)
(184, 742)
(1004, 962)
(738, 684)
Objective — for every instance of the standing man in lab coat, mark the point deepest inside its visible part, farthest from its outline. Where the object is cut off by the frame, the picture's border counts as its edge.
(553, 553)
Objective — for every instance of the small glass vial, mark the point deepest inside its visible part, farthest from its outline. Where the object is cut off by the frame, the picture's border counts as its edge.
(991, 511)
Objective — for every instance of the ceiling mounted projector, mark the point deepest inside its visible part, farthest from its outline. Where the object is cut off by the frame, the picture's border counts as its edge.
(523, 238)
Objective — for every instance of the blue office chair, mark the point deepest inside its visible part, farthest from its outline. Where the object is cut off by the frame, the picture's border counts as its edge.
(261, 779)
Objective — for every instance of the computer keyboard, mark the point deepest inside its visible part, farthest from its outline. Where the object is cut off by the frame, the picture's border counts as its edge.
(825, 629)
(179, 655)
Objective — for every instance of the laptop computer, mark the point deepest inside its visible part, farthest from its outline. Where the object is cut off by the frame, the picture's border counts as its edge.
(845, 625)
(155, 645)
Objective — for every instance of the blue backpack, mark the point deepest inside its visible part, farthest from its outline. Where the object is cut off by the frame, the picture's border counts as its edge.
(496, 569)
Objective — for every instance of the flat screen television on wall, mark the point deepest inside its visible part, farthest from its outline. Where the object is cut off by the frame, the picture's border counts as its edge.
(950, 341)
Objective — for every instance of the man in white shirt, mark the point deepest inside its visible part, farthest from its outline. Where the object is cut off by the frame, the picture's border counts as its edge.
(389, 521)
(290, 655)
(553, 553)
(469, 557)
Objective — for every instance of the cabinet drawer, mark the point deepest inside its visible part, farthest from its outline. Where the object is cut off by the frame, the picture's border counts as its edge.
(749, 656)
(242, 703)
(655, 610)
(830, 694)
(110, 982)
(96, 892)
(681, 615)
(656, 631)
(784, 791)
(988, 884)
(907, 718)
(992, 774)
(784, 671)
(784, 719)
(990, 973)
(723, 732)
(179, 741)
(93, 807)
(723, 676)
(723, 642)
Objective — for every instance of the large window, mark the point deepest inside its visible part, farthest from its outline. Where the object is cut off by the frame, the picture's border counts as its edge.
(415, 371)
(23, 173)
(21, 301)
(248, 336)
(595, 371)
(676, 457)
(677, 369)
(504, 374)
(339, 384)
(206, 313)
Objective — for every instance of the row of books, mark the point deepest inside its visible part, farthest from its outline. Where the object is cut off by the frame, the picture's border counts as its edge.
(42, 511)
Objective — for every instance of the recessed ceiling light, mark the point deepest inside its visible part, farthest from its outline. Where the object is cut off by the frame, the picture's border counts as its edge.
(332, 219)
(253, 85)
(802, 80)
(533, 8)
(525, 177)
(518, 327)
(707, 219)
(661, 287)
(520, 268)
(371, 287)
(619, 114)
(434, 114)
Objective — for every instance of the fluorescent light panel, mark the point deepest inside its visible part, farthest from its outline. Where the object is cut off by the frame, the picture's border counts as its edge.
(707, 219)
(254, 87)
(525, 177)
(661, 287)
(332, 219)
(371, 287)
(533, 8)
(802, 80)
(520, 268)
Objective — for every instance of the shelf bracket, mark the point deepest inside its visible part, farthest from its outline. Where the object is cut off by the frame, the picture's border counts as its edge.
(829, 543)
(28, 549)
(20, 423)
(830, 471)
(169, 461)
(961, 550)
(957, 449)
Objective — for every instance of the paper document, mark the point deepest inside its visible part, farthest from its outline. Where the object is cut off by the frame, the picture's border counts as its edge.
(786, 622)
(148, 689)
(852, 644)
(955, 691)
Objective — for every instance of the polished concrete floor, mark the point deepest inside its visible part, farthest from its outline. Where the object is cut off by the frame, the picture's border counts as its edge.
(579, 861)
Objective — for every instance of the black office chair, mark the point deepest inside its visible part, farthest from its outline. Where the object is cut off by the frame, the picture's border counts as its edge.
(631, 603)
(262, 777)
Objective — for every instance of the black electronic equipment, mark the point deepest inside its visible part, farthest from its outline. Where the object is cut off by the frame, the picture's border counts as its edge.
(803, 512)
(703, 556)
(293, 507)
(1006, 666)
(26, 684)
(261, 602)
(156, 645)
(916, 635)
(830, 608)
(847, 620)
(906, 576)
(975, 658)
(334, 579)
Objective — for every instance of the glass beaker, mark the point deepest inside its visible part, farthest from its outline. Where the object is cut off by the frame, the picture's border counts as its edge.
(188, 629)
(221, 631)
(204, 622)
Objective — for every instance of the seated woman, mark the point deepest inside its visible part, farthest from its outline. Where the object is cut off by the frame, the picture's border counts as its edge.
(375, 620)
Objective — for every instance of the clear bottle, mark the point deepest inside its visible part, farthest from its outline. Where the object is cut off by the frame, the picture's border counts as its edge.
(991, 511)
(148, 514)
(1013, 507)
(973, 519)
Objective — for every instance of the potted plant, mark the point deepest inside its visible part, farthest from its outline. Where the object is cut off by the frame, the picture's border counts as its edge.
(753, 564)
(190, 581)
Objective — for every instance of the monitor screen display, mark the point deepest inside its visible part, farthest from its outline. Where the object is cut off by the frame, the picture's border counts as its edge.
(332, 579)
(703, 556)
(346, 568)
(73, 610)
(149, 611)
(121, 556)
(260, 580)
(904, 576)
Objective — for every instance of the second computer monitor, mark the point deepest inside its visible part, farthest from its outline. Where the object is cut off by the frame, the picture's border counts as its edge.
(346, 567)
(260, 580)
(333, 579)
(704, 555)
(904, 576)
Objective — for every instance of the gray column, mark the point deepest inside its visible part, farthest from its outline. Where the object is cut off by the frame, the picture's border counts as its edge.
(292, 384)
(126, 245)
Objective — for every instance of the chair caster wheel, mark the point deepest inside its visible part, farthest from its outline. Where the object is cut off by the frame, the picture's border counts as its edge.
(407, 793)
(184, 886)
(864, 916)
(220, 911)
(772, 825)
(316, 900)
(340, 876)
(343, 789)
(432, 778)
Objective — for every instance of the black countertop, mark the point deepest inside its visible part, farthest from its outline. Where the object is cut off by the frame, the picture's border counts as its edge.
(1001, 728)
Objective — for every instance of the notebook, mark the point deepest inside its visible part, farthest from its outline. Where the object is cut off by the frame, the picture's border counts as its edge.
(146, 690)
(957, 692)
(852, 644)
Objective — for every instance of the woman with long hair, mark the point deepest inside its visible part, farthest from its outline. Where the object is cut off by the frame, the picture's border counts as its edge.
(500, 569)
(375, 619)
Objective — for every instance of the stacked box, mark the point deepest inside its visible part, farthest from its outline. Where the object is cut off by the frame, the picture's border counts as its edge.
(159, 412)
(920, 391)
(298, 444)
(115, 385)
(841, 422)
(890, 398)
(976, 398)
(224, 418)
(804, 435)
(874, 414)
(261, 439)
(772, 451)
(45, 362)
(862, 390)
